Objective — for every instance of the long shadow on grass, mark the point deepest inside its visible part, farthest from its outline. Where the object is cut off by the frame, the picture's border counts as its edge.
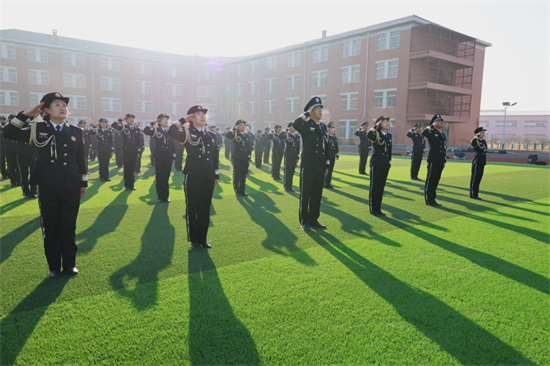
(157, 248)
(216, 335)
(17, 236)
(264, 186)
(11, 205)
(17, 327)
(455, 334)
(91, 191)
(261, 208)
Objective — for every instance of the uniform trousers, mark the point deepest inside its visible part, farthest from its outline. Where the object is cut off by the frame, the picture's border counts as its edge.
(290, 167)
(258, 157)
(311, 193)
(129, 161)
(3, 168)
(58, 213)
(93, 154)
(416, 160)
(25, 165)
(163, 168)
(328, 178)
(178, 164)
(432, 181)
(266, 155)
(477, 174)
(240, 168)
(13, 169)
(378, 178)
(118, 157)
(228, 150)
(103, 158)
(137, 167)
(198, 198)
(276, 167)
(363, 157)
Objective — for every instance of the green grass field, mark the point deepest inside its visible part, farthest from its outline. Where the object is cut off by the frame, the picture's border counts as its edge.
(467, 283)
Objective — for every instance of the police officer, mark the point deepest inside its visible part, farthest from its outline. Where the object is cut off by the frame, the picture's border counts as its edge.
(314, 165)
(364, 146)
(93, 142)
(165, 154)
(478, 163)
(137, 169)
(227, 143)
(267, 145)
(60, 172)
(292, 155)
(278, 152)
(241, 156)
(118, 147)
(3, 167)
(179, 149)
(436, 157)
(11, 158)
(417, 150)
(333, 153)
(26, 155)
(380, 163)
(201, 172)
(258, 148)
(87, 138)
(130, 135)
(105, 148)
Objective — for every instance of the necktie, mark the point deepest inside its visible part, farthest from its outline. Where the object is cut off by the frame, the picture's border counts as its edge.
(58, 128)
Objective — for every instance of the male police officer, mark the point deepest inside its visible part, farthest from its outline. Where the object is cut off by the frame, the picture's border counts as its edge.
(417, 150)
(478, 163)
(267, 145)
(26, 155)
(11, 158)
(105, 148)
(380, 163)
(87, 138)
(60, 172)
(333, 153)
(364, 145)
(278, 152)
(292, 155)
(258, 148)
(436, 157)
(131, 147)
(314, 165)
(3, 167)
(241, 156)
(227, 142)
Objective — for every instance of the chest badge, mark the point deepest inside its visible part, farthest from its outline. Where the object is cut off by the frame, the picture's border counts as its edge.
(312, 129)
(73, 138)
(43, 134)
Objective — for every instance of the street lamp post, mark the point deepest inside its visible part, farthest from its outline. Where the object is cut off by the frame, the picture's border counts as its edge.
(506, 105)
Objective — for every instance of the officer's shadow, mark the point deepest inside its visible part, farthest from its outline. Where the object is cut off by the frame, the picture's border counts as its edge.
(12, 239)
(216, 335)
(264, 186)
(157, 247)
(151, 197)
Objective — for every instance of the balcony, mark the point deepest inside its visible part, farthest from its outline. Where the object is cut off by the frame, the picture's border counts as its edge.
(423, 103)
(431, 37)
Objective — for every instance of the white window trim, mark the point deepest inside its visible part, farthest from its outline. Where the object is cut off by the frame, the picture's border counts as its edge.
(385, 73)
(348, 95)
(385, 97)
(5, 70)
(350, 73)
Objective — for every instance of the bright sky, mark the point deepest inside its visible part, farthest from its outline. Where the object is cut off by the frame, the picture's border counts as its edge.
(516, 66)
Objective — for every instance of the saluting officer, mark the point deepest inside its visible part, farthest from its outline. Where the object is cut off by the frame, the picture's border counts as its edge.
(241, 156)
(60, 172)
(436, 157)
(267, 145)
(333, 153)
(201, 172)
(364, 146)
(380, 163)
(11, 158)
(105, 148)
(314, 165)
(417, 150)
(292, 155)
(165, 155)
(478, 163)
(117, 136)
(142, 150)
(258, 148)
(278, 152)
(87, 138)
(131, 147)
(26, 156)
(3, 167)
(227, 143)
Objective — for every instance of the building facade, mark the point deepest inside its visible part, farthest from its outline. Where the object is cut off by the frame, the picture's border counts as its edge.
(407, 69)
(521, 126)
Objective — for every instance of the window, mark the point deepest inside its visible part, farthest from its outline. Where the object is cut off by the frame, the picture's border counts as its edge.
(271, 64)
(533, 124)
(393, 66)
(77, 102)
(385, 98)
(143, 68)
(176, 90)
(293, 59)
(253, 67)
(8, 74)
(319, 54)
(252, 87)
(270, 106)
(205, 74)
(143, 87)
(173, 72)
(349, 74)
(7, 51)
(508, 124)
(483, 124)
(351, 48)
(394, 39)
(535, 137)
(387, 69)
(107, 63)
(239, 108)
(387, 40)
(206, 92)
(74, 80)
(292, 105)
(108, 83)
(9, 97)
(293, 82)
(39, 77)
(174, 108)
(319, 78)
(349, 101)
(110, 104)
(142, 106)
(252, 107)
(73, 59)
(270, 85)
(36, 98)
(239, 89)
(37, 55)
(239, 70)
(347, 128)
(381, 42)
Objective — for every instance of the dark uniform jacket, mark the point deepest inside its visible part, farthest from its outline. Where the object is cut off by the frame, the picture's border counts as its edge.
(333, 150)
(480, 148)
(278, 143)
(382, 146)
(164, 145)
(87, 136)
(315, 137)
(105, 139)
(438, 145)
(267, 141)
(259, 142)
(418, 141)
(292, 142)
(60, 161)
(364, 142)
(203, 157)
(10, 145)
(25, 149)
(241, 144)
(131, 137)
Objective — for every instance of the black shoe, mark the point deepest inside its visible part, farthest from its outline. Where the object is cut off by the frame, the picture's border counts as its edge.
(306, 227)
(55, 274)
(206, 245)
(244, 194)
(238, 194)
(26, 195)
(330, 186)
(277, 178)
(107, 180)
(436, 204)
(374, 213)
(167, 201)
(195, 246)
(289, 190)
(381, 213)
(476, 198)
(318, 224)
(33, 195)
(71, 272)
(362, 173)
(416, 178)
(13, 185)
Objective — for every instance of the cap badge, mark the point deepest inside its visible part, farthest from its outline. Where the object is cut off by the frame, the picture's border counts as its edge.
(57, 95)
